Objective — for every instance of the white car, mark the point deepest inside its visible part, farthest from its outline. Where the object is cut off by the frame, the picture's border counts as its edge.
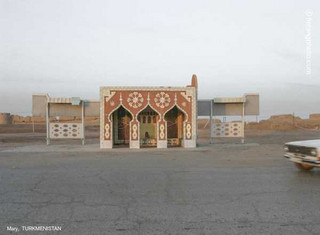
(305, 154)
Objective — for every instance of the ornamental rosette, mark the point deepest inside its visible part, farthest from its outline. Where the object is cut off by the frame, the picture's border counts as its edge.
(162, 100)
(135, 100)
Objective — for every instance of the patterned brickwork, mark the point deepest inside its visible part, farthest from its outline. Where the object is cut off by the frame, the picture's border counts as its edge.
(136, 99)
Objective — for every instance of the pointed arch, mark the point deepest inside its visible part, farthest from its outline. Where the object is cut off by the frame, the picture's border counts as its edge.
(176, 119)
(180, 109)
(116, 108)
(148, 106)
(148, 127)
(120, 125)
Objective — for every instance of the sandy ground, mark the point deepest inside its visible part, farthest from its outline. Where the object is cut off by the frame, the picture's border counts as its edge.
(224, 188)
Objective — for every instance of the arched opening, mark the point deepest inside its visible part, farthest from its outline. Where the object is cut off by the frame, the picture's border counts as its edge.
(174, 118)
(148, 119)
(121, 127)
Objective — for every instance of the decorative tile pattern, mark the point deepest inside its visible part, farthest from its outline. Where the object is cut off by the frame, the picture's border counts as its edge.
(65, 130)
(109, 95)
(134, 131)
(162, 100)
(107, 131)
(228, 129)
(187, 94)
(162, 132)
(188, 131)
(148, 142)
(135, 99)
(174, 142)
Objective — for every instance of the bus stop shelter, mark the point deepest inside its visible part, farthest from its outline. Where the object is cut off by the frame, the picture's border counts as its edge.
(243, 106)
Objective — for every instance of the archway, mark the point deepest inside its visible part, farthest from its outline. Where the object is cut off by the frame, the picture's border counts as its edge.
(121, 127)
(148, 119)
(174, 118)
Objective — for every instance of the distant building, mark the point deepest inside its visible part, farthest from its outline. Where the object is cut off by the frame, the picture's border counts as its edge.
(148, 116)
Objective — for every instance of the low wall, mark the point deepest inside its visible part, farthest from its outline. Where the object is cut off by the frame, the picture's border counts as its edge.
(16, 119)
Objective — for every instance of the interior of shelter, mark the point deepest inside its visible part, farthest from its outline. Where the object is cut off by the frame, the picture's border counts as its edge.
(121, 127)
(175, 119)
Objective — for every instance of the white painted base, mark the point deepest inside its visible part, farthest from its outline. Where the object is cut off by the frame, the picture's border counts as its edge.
(134, 144)
(189, 144)
(162, 144)
(106, 144)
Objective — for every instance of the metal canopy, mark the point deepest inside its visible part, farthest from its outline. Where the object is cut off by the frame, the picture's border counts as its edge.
(230, 100)
(230, 106)
(59, 100)
(248, 104)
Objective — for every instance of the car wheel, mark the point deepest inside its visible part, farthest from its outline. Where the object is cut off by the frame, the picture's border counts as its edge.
(303, 166)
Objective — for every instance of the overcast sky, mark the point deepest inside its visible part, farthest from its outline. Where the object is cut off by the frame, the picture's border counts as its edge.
(71, 48)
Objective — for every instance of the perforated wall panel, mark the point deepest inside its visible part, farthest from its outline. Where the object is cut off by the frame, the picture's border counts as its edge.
(228, 129)
(65, 130)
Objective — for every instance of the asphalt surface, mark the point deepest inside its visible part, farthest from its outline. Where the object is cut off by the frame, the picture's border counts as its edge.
(219, 189)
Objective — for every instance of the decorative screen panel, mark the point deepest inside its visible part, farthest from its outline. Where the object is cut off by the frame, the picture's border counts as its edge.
(65, 130)
(228, 129)
(174, 142)
(148, 142)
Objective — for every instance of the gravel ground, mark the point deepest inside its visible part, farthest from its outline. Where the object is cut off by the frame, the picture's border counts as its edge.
(214, 189)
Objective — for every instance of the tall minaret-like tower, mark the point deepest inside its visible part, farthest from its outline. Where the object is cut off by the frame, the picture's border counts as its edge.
(194, 83)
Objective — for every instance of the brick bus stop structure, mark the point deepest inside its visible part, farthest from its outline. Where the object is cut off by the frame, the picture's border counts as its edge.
(148, 116)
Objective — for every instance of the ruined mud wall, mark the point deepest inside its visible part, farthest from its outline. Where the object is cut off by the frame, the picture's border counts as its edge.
(277, 122)
(5, 118)
(16, 119)
(287, 122)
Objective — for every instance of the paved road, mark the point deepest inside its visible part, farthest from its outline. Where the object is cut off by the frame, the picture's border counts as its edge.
(225, 189)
